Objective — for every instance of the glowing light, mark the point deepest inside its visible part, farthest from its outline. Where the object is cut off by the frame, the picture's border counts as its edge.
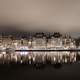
(24, 48)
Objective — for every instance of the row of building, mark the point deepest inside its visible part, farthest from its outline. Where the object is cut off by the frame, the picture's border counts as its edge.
(39, 41)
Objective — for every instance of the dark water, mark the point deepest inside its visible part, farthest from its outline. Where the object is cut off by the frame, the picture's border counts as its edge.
(22, 72)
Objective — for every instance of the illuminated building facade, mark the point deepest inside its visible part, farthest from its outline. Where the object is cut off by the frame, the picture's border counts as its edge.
(39, 41)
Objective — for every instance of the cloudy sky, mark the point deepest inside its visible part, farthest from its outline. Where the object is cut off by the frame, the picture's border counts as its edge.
(43, 15)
